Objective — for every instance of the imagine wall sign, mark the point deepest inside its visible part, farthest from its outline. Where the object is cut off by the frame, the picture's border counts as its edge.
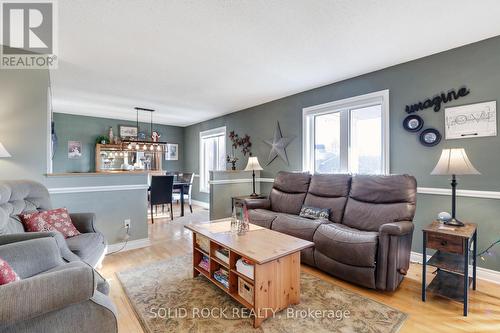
(437, 100)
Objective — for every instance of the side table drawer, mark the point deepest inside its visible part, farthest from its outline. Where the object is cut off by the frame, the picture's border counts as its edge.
(445, 243)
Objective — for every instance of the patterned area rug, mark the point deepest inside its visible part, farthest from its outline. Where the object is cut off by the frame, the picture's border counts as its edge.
(167, 299)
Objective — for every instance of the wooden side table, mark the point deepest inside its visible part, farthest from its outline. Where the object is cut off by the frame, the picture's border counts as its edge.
(452, 258)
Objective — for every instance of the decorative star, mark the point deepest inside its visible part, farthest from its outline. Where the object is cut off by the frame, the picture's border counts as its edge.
(278, 145)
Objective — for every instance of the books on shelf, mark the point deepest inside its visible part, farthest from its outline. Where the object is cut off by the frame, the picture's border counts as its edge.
(222, 254)
(245, 267)
(222, 276)
(204, 263)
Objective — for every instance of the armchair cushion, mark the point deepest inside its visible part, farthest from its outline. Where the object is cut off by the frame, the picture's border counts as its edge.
(87, 246)
(50, 220)
(7, 274)
(46, 292)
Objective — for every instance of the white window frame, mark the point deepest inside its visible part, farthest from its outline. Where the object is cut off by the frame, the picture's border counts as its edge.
(309, 113)
(205, 135)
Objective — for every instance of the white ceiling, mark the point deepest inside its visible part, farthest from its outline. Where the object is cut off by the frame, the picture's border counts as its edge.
(194, 60)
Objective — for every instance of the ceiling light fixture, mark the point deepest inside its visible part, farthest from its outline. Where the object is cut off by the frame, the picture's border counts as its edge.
(127, 143)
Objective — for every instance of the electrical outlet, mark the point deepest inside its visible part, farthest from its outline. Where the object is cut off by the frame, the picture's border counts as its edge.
(127, 223)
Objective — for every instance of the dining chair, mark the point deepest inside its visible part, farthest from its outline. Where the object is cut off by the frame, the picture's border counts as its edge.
(161, 193)
(186, 177)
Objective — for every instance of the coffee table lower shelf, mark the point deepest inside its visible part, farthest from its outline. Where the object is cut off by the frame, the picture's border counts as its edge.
(276, 283)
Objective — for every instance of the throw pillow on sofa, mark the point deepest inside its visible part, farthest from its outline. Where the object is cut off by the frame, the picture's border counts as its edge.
(50, 220)
(7, 274)
(315, 213)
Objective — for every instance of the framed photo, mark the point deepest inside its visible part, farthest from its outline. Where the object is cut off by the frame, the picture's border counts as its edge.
(172, 153)
(74, 149)
(128, 131)
(471, 121)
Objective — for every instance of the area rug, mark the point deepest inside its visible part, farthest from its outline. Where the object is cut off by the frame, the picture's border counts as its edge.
(167, 299)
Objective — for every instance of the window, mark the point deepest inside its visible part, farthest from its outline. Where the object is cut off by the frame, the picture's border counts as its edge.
(350, 135)
(212, 154)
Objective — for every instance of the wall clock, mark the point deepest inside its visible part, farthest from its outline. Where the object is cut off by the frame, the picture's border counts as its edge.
(430, 137)
(413, 123)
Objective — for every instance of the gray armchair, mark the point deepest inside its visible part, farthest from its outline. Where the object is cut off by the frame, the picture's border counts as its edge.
(20, 196)
(52, 295)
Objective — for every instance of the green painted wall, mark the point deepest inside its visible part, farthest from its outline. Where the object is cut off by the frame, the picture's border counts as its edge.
(87, 129)
(476, 65)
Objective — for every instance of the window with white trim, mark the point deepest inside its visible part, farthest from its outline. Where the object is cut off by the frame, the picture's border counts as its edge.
(349, 135)
(212, 154)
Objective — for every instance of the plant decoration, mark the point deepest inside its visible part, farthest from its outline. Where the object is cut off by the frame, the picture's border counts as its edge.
(238, 142)
(102, 139)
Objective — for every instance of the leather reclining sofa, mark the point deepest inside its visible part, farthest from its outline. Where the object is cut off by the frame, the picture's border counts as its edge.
(367, 238)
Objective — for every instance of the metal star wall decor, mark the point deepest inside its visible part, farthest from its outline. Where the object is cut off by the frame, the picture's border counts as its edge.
(278, 145)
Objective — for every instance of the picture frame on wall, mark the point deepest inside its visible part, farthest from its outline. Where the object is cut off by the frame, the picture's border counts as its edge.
(172, 152)
(74, 149)
(471, 121)
(128, 131)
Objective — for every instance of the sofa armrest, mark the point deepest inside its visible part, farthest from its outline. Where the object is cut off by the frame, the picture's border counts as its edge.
(65, 252)
(84, 222)
(399, 228)
(44, 293)
(33, 256)
(257, 203)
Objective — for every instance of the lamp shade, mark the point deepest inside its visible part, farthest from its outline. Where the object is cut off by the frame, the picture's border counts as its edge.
(253, 164)
(454, 162)
(3, 151)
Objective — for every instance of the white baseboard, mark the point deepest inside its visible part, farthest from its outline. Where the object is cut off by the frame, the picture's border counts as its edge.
(201, 204)
(482, 273)
(131, 245)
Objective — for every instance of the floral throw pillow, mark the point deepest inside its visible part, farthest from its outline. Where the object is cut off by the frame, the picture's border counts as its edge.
(7, 274)
(50, 220)
(315, 213)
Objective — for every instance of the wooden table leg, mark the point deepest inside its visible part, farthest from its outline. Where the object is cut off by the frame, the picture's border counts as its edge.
(182, 200)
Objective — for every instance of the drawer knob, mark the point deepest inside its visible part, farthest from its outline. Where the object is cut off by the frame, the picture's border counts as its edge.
(444, 243)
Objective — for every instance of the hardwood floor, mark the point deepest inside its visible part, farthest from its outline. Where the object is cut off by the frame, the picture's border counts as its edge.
(436, 315)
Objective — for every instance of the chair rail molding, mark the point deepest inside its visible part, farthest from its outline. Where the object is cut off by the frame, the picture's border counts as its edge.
(106, 188)
(460, 193)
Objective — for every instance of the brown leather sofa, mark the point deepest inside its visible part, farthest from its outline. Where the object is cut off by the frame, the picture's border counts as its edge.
(367, 239)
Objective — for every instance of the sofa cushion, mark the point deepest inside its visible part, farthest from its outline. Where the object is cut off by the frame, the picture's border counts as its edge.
(297, 226)
(347, 245)
(376, 200)
(329, 191)
(289, 191)
(87, 246)
(50, 220)
(262, 217)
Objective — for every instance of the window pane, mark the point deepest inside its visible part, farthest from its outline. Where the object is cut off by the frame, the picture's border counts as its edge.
(366, 140)
(327, 143)
(213, 158)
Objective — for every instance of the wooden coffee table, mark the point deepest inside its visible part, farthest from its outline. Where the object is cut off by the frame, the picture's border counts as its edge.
(276, 259)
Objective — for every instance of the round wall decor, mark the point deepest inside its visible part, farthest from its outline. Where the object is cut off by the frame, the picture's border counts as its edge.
(430, 137)
(413, 123)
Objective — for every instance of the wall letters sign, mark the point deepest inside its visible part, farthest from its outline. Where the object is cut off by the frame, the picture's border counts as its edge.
(438, 100)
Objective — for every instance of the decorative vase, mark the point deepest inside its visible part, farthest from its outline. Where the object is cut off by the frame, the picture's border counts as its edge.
(111, 135)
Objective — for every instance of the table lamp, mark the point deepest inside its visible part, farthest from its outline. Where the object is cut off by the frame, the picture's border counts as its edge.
(3, 151)
(454, 162)
(253, 165)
